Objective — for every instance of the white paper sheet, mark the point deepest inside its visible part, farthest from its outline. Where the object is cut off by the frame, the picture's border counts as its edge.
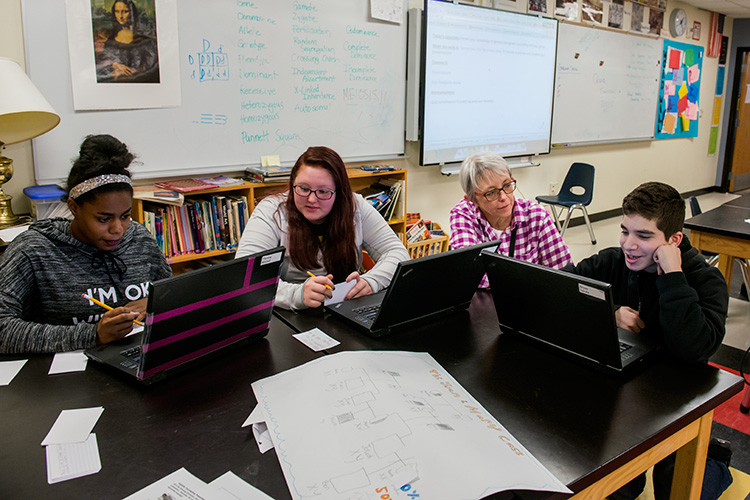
(9, 234)
(230, 487)
(339, 292)
(377, 419)
(66, 362)
(9, 370)
(73, 426)
(179, 484)
(316, 339)
(72, 460)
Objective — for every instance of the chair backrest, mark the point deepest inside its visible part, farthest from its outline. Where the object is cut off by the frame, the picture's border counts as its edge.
(695, 207)
(579, 175)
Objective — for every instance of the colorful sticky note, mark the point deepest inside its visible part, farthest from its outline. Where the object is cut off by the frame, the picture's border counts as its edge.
(689, 57)
(717, 111)
(682, 105)
(675, 57)
(672, 104)
(685, 122)
(692, 94)
(692, 111)
(669, 123)
(669, 88)
(683, 90)
(694, 73)
(678, 76)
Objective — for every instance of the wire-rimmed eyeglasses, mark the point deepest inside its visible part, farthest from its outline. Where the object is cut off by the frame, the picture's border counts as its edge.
(321, 194)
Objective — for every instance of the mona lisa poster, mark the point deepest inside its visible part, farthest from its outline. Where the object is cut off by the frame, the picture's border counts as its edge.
(124, 54)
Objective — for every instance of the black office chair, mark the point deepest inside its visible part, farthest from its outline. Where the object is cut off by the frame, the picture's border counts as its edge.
(580, 176)
(713, 258)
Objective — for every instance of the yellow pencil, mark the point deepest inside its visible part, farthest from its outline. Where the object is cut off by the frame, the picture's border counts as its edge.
(105, 306)
(313, 276)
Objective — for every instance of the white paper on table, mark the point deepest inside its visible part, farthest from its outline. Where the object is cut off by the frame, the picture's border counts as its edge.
(136, 329)
(316, 339)
(179, 484)
(66, 362)
(9, 234)
(73, 426)
(339, 292)
(370, 411)
(231, 487)
(9, 370)
(256, 416)
(72, 460)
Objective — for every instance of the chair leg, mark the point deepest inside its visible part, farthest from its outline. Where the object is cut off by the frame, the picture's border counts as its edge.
(555, 216)
(567, 221)
(713, 260)
(588, 224)
(745, 273)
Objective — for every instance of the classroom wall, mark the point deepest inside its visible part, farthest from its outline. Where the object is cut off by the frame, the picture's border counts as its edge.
(619, 167)
(740, 38)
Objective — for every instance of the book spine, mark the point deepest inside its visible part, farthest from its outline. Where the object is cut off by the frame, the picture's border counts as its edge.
(217, 229)
(195, 232)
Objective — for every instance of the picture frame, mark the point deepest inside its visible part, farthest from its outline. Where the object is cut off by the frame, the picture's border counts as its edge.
(696, 30)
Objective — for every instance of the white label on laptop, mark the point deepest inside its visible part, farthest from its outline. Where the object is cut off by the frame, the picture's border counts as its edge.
(591, 291)
(267, 259)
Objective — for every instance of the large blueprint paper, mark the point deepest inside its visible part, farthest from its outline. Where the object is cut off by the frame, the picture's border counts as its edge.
(360, 425)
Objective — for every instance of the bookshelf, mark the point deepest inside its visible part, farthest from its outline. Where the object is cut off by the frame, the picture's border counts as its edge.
(255, 191)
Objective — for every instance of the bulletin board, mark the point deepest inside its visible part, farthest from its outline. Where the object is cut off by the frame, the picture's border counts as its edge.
(679, 91)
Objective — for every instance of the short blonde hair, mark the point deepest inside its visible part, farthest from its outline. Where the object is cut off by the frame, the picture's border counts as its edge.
(476, 167)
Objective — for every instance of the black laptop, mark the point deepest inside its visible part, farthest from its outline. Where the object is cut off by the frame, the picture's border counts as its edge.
(570, 313)
(422, 288)
(195, 314)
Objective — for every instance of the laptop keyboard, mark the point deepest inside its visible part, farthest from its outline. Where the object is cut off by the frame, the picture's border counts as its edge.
(368, 313)
(133, 356)
(624, 354)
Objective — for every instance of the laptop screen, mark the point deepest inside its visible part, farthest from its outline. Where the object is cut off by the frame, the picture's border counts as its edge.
(197, 313)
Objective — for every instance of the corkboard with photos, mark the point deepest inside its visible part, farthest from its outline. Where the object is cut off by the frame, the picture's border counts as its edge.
(636, 16)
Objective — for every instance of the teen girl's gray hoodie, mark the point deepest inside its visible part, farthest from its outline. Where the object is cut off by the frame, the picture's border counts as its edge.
(45, 270)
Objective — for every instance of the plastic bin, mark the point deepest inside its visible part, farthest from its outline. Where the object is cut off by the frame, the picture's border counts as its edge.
(434, 245)
(45, 201)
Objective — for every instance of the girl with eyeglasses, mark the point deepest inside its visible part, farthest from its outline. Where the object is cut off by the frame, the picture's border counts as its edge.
(490, 211)
(324, 227)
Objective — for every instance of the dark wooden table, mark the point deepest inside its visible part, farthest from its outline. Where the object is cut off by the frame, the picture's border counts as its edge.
(724, 231)
(593, 431)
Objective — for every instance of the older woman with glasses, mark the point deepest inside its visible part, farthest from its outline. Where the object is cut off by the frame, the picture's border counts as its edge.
(324, 227)
(490, 211)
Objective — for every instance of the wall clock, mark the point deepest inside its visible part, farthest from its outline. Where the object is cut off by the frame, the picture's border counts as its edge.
(678, 22)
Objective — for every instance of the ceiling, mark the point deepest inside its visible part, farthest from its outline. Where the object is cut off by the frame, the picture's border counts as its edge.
(733, 8)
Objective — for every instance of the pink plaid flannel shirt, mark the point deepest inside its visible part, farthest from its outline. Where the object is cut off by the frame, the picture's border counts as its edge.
(537, 238)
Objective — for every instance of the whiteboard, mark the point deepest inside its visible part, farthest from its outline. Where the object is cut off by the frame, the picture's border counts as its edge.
(298, 74)
(606, 86)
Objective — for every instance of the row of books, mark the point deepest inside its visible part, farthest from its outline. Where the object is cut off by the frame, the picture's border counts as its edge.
(201, 224)
(386, 197)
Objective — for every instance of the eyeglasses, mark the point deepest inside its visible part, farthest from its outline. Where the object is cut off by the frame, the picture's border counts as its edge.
(494, 193)
(321, 194)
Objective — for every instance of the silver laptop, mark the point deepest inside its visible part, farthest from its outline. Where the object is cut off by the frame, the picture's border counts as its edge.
(197, 314)
(572, 314)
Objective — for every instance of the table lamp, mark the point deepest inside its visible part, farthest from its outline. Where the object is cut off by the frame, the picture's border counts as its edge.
(24, 114)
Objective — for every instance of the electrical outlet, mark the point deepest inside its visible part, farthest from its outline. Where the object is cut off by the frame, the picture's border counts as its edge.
(554, 188)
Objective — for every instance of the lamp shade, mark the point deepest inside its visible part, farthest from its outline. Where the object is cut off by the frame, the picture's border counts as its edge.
(24, 112)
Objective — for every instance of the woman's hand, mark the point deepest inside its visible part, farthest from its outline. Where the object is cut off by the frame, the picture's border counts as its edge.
(317, 289)
(360, 289)
(115, 324)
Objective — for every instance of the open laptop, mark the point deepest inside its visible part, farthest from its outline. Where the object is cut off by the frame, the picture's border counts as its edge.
(570, 313)
(195, 314)
(421, 288)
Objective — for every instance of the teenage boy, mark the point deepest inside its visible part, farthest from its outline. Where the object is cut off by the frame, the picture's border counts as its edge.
(664, 288)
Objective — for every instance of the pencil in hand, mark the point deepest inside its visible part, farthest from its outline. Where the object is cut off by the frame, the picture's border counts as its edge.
(105, 306)
(313, 276)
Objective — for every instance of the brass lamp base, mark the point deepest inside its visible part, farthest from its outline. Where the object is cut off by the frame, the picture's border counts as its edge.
(7, 217)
